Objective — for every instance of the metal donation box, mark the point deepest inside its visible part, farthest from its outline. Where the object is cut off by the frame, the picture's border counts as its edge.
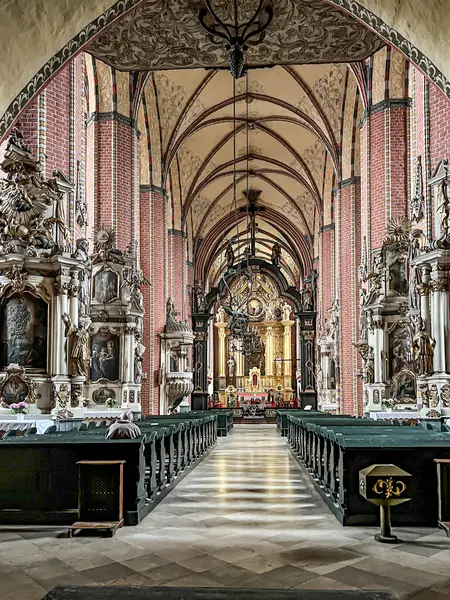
(100, 495)
(386, 486)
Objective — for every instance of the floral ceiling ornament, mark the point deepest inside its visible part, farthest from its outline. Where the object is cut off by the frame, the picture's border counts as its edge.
(237, 36)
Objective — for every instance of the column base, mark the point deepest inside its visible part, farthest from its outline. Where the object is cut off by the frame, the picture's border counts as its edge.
(374, 394)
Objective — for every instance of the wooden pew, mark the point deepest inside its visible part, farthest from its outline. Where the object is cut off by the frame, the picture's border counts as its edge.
(39, 476)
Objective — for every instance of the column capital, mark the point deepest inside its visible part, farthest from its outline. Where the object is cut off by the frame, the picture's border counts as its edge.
(288, 323)
(439, 285)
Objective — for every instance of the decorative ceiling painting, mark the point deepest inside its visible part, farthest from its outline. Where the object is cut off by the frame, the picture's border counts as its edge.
(153, 36)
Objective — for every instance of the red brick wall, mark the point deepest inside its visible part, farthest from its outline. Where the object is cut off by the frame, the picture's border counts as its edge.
(350, 257)
(123, 181)
(159, 271)
(377, 172)
(399, 161)
(28, 125)
(147, 291)
(57, 122)
(325, 270)
(439, 128)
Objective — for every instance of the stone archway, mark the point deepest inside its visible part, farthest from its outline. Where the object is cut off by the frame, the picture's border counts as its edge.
(67, 28)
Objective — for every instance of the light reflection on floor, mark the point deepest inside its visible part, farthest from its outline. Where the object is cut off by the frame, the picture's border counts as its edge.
(247, 516)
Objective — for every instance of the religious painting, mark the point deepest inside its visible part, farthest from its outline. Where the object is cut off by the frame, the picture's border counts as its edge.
(397, 278)
(103, 394)
(404, 387)
(254, 308)
(14, 390)
(106, 286)
(23, 332)
(399, 349)
(105, 356)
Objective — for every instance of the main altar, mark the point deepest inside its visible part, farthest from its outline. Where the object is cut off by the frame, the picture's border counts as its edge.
(265, 378)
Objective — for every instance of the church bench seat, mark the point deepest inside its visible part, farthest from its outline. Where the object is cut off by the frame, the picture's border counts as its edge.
(42, 486)
(335, 450)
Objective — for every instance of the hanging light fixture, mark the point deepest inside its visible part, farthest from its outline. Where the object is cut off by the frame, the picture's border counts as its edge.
(237, 36)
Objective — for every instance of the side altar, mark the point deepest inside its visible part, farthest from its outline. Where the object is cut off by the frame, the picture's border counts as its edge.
(70, 319)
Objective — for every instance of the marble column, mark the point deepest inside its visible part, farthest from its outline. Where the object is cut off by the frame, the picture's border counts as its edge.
(64, 348)
(128, 363)
(269, 349)
(439, 323)
(287, 353)
(221, 330)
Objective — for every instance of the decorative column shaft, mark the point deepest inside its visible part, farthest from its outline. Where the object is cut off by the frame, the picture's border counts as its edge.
(128, 374)
(269, 351)
(287, 353)
(64, 347)
(439, 308)
(221, 327)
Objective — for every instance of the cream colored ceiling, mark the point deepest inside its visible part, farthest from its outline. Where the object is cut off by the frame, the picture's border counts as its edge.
(287, 120)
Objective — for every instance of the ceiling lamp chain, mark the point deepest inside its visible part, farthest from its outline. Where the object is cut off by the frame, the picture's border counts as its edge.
(237, 36)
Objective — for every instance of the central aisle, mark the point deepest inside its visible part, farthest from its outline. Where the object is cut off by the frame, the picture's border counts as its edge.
(247, 516)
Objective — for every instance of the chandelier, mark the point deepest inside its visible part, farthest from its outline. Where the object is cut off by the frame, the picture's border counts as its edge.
(237, 36)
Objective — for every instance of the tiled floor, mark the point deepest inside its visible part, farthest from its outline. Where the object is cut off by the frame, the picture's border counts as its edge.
(247, 516)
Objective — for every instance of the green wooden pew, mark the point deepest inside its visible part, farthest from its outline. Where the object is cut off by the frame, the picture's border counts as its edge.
(39, 476)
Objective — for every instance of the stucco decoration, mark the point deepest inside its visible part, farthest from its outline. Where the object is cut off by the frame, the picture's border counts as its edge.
(152, 36)
(171, 99)
(329, 90)
(104, 78)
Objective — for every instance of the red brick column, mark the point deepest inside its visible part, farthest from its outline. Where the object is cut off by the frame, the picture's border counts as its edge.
(439, 106)
(349, 260)
(388, 166)
(325, 279)
(111, 140)
(147, 291)
(177, 243)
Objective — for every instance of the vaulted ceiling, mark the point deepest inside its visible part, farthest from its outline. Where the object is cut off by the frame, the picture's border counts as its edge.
(280, 129)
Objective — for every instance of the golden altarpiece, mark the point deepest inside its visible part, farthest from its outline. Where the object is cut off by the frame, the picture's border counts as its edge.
(264, 377)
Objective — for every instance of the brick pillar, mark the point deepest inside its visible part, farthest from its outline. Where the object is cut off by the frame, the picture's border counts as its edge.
(387, 165)
(177, 244)
(349, 260)
(111, 140)
(325, 279)
(147, 291)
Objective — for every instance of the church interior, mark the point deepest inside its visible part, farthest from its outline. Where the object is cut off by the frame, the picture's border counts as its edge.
(225, 231)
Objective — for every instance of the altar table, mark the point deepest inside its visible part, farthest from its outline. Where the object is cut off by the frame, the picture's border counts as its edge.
(41, 424)
(248, 397)
(395, 414)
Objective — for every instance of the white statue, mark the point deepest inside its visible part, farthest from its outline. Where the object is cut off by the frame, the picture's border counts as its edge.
(286, 312)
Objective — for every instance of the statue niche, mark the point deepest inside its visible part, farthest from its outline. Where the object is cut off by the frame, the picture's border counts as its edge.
(23, 331)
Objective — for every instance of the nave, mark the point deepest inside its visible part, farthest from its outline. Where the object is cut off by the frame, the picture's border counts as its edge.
(247, 516)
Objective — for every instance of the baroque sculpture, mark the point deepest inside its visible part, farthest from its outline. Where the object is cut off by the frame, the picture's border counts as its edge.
(79, 352)
(423, 347)
(25, 201)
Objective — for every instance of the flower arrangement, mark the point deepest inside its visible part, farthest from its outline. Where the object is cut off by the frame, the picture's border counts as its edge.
(111, 403)
(19, 408)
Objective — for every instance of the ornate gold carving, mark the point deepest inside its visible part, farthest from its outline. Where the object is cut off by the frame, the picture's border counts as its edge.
(387, 488)
(439, 285)
(18, 277)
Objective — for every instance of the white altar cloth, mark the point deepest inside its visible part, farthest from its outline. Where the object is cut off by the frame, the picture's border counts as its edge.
(394, 414)
(41, 424)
